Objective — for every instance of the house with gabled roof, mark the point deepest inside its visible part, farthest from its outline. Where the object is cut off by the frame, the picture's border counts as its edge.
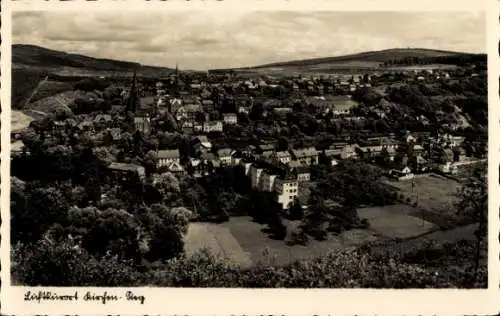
(419, 164)
(208, 105)
(142, 124)
(103, 121)
(263, 147)
(166, 157)
(403, 173)
(212, 126)
(175, 167)
(306, 156)
(230, 118)
(371, 150)
(301, 171)
(225, 156)
(283, 157)
(124, 170)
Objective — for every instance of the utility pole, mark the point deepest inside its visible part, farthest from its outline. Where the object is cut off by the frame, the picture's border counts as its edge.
(416, 198)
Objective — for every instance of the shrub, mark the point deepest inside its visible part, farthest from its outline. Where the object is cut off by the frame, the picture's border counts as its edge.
(298, 237)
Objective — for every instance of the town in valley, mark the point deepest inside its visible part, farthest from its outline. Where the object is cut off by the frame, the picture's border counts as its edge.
(364, 170)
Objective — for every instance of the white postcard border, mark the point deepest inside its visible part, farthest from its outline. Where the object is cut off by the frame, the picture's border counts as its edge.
(268, 301)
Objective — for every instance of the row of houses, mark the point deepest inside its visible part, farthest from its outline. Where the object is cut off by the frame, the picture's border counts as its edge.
(296, 162)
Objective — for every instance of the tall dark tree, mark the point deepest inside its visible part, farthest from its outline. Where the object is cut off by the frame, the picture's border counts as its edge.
(283, 144)
(474, 205)
(296, 211)
(256, 112)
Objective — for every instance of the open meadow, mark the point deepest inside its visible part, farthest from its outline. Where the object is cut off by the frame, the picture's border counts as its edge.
(244, 242)
(436, 196)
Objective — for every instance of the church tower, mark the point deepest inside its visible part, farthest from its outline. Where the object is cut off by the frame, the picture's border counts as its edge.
(176, 83)
(133, 97)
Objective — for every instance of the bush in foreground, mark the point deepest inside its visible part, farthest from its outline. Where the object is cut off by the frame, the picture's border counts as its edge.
(346, 268)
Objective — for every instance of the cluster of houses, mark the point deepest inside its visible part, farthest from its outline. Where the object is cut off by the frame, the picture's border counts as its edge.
(283, 171)
(196, 109)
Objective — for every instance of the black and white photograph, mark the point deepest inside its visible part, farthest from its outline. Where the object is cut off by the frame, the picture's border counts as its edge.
(272, 149)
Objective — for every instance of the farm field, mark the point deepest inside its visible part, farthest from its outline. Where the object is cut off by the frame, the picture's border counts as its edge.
(437, 196)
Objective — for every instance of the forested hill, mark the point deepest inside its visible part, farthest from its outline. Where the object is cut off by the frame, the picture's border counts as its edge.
(31, 64)
(31, 56)
(380, 57)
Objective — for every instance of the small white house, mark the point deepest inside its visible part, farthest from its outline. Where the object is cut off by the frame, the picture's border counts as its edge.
(230, 118)
(213, 126)
(167, 157)
(403, 174)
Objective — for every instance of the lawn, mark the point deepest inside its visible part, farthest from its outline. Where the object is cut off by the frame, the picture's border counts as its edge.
(395, 221)
(256, 242)
(218, 240)
(436, 196)
(242, 241)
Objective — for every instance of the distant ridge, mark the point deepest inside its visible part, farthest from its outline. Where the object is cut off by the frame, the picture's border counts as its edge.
(372, 56)
(32, 56)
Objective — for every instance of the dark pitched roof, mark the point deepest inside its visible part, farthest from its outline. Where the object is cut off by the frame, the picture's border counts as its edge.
(126, 167)
(173, 153)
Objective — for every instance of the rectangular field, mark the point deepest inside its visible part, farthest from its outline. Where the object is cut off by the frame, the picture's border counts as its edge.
(243, 241)
(218, 240)
(434, 194)
(395, 221)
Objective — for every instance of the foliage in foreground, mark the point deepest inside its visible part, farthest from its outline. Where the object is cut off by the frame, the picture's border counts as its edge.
(67, 265)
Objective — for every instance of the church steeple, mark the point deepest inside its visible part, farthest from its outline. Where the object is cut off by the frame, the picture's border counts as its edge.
(176, 83)
(133, 97)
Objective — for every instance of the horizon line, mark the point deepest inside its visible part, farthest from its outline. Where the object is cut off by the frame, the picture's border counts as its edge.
(267, 64)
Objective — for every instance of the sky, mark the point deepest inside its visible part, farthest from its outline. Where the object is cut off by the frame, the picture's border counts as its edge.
(201, 40)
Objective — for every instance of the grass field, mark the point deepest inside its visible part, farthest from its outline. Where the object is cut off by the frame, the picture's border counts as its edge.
(251, 238)
(395, 221)
(19, 121)
(242, 241)
(436, 195)
(218, 240)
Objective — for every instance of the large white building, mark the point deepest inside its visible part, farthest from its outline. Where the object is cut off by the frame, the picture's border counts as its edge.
(267, 181)
(213, 126)
(287, 190)
(255, 173)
